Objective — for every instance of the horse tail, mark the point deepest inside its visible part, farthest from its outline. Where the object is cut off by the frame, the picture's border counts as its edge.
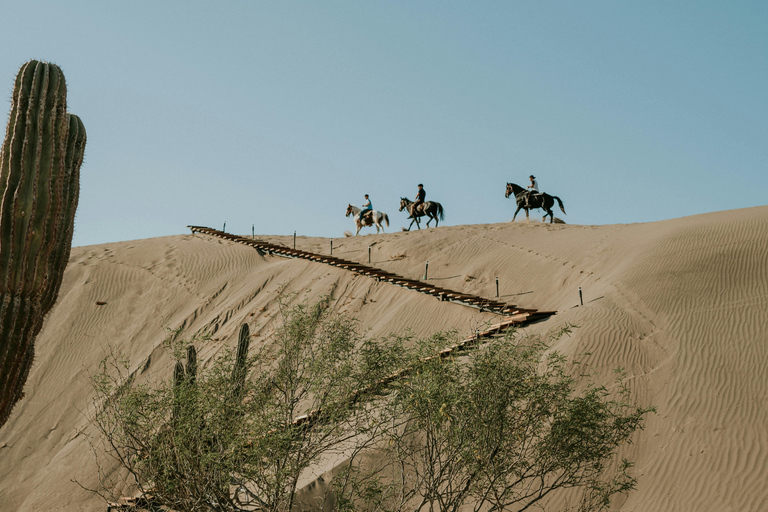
(560, 203)
(386, 218)
(440, 212)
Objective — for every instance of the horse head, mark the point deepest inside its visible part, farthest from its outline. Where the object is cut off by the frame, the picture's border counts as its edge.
(404, 202)
(513, 190)
(349, 210)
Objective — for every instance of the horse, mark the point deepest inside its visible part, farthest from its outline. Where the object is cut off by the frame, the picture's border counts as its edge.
(431, 209)
(374, 219)
(543, 200)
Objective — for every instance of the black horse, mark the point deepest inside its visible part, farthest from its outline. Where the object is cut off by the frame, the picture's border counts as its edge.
(542, 200)
(431, 209)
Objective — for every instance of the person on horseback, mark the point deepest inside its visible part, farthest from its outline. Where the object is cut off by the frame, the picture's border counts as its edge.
(534, 186)
(419, 199)
(366, 207)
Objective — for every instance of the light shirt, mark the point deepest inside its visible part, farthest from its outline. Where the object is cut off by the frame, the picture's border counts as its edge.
(534, 186)
(368, 205)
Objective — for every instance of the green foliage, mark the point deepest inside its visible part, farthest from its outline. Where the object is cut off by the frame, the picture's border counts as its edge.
(39, 187)
(499, 428)
(229, 439)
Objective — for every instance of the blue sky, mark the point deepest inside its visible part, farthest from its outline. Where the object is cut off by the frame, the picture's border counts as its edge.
(278, 114)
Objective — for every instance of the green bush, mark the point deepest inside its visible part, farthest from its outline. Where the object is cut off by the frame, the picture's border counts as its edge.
(497, 428)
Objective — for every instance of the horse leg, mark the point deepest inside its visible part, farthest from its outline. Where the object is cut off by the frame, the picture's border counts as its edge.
(516, 212)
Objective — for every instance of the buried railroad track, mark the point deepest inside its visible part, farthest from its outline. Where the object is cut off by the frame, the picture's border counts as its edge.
(443, 294)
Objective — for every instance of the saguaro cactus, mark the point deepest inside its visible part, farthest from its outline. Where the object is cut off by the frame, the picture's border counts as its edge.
(39, 188)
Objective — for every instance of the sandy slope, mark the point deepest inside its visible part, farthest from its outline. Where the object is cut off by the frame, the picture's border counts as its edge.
(682, 305)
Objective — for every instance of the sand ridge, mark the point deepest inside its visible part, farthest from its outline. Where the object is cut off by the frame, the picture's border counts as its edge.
(681, 305)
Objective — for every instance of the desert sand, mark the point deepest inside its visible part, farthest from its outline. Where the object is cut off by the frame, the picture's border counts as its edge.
(681, 305)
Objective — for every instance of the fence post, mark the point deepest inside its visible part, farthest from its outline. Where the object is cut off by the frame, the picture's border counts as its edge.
(224, 229)
(581, 299)
(369, 254)
(294, 239)
(253, 231)
(426, 270)
(497, 287)
(331, 246)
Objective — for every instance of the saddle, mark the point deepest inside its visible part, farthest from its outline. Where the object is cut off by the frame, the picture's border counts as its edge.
(366, 216)
(534, 200)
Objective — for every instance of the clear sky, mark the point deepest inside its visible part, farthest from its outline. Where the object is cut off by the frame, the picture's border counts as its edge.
(278, 114)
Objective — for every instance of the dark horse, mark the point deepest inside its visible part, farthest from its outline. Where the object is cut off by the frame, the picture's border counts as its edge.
(542, 200)
(431, 209)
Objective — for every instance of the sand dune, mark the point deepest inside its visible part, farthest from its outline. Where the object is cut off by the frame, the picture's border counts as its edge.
(681, 305)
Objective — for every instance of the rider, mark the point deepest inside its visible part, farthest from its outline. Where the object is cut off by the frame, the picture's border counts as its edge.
(367, 206)
(419, 199)
(534, 186)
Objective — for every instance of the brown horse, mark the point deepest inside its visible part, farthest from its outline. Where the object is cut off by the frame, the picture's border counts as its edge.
(431, 209)
(543, 200)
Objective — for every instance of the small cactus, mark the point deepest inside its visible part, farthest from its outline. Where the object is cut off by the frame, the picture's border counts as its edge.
(239, 369)
(179, 380)
(39, 187)
(191, 365)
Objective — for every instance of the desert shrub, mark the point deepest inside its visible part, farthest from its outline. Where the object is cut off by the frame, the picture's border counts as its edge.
(219, 441)
(498, 428)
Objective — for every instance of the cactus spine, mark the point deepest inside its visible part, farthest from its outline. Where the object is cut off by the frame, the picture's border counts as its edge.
(39, 188)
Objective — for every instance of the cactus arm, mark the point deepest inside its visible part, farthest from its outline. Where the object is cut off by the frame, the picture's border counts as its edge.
(65, 220)
(239, 369)
(191, 365)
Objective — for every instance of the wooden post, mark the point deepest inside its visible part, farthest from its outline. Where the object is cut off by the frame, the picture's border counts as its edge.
(369, 254)
(331, 246)
(581, 299)
(294, 239)
(224, 229)
(426, 270)
(497, 287)
(253, 231)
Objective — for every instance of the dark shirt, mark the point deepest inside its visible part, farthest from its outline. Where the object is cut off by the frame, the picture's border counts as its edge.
(421, 195)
